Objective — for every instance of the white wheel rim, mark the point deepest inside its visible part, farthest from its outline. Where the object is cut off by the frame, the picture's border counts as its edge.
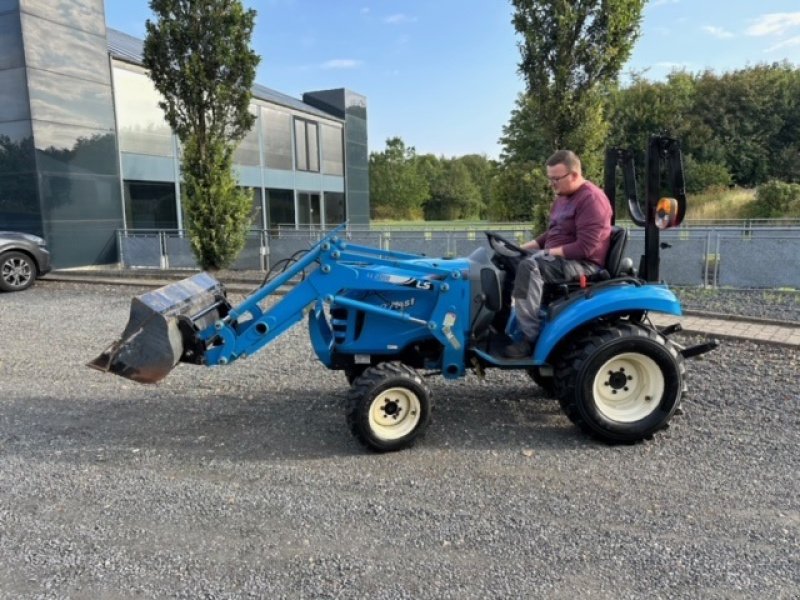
(394, 413)
(628, 388)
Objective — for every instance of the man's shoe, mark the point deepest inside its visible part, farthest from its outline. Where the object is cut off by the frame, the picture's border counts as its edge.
(521, 349)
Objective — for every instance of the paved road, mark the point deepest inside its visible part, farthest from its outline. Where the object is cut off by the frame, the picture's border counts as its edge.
(243, 481)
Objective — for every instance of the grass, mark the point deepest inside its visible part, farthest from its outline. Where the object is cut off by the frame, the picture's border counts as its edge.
(720, 203)
(713, 204)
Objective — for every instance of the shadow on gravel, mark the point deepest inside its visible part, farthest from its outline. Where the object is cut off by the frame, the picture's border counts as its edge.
(297, 426)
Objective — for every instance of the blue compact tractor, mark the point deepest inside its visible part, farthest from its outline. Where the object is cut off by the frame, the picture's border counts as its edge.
(382, 317)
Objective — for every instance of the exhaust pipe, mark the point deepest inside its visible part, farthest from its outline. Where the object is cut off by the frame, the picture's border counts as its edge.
(162, 329)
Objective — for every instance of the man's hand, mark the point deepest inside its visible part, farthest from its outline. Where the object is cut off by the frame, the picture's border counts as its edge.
(532, 245)
(544, 255)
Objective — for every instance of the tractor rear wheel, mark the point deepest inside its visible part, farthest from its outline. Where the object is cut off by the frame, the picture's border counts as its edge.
(388, 407)
(621, 382)
(353, 372)
(546, 382)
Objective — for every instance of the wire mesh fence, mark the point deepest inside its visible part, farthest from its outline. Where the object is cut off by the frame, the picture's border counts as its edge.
(736, 254)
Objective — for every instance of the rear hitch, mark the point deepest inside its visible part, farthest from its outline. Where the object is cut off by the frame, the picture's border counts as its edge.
(670, 329)
(699, 349)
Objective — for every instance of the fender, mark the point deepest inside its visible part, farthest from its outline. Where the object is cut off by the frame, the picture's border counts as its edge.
(602, 302)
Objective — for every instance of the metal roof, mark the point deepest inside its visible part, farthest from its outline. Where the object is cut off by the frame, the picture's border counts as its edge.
(130, 49)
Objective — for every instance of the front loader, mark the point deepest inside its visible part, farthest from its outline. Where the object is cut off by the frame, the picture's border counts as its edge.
(382, 317)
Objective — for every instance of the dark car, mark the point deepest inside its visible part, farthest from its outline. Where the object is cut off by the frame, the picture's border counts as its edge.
(23, 258)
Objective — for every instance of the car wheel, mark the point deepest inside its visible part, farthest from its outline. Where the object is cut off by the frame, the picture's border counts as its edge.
(17, 271)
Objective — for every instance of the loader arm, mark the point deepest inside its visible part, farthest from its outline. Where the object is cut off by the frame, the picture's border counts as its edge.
(192, 321)
(343, 269)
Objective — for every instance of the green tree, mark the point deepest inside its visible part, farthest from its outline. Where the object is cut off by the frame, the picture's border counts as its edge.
(453, 194)
(481, 170)
(397, 188)
(745, 123)
(519, 193)
(198, 55)
(572, 52)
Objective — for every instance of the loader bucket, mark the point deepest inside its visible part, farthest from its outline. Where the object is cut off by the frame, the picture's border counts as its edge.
(162, 329)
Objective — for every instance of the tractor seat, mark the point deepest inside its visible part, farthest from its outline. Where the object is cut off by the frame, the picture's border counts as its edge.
(619, 240)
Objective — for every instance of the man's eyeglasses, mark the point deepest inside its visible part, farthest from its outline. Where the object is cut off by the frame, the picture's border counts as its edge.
(559, 178)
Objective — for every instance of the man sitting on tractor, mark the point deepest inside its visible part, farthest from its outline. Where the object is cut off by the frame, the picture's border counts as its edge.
(575, 244)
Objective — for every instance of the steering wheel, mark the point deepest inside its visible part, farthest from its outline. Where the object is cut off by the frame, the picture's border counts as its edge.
(505, 247)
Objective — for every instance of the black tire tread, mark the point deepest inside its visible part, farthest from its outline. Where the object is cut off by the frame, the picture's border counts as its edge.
(365, 384)
(569, 365)
(34, 271)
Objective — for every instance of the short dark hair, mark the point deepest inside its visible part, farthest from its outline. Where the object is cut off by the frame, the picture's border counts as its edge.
(567, 158)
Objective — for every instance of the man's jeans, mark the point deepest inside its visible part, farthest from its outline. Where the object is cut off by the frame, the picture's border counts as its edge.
(532, 273)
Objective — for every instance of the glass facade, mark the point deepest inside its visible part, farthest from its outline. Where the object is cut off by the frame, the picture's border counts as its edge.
(281, 208)
(247, 152)
(332, 150)
(150, 205)
(69, 50)
(12, 54)
(85, 149)
(309, 213)
(352, 108)
(334, 208)
(72, 122)
(306, 145)
(140, 121)
(82, 15)
(19, 195)
(257, 213)
(277, 127)
(60, 99)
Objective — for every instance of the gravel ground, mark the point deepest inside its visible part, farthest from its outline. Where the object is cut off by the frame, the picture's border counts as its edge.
(243, 481)
(780, 305)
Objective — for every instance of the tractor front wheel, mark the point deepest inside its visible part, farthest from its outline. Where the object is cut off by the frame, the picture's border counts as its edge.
(388, 407)
(621, 383)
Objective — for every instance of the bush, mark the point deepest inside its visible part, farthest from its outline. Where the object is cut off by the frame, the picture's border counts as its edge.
(701, 176)
(776, 199)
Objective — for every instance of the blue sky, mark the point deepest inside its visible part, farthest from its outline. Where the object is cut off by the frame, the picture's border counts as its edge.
(442, 74)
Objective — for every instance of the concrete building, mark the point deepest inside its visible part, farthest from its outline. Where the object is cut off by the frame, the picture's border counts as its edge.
(85, 151)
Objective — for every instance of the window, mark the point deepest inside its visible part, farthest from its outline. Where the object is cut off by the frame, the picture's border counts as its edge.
(281, 208)
(150, 205)
(332, 150)
(306, 143)
(256, 214)
(334, 208)
(247, 152)
(141, 123)
(308, 210)
(277, 127)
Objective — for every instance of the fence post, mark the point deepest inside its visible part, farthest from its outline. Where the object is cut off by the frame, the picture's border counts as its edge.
(162, 243)
(262, 249)
(121, 249)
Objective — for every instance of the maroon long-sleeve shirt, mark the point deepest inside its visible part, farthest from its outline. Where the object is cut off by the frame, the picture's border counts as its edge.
(580, 224)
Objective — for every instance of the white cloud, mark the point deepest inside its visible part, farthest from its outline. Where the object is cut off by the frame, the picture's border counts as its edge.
(792, 41)
(342, 63)
(365, 10)
(398, 19)
(663, 2)
(774, 24)
(717, 32)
